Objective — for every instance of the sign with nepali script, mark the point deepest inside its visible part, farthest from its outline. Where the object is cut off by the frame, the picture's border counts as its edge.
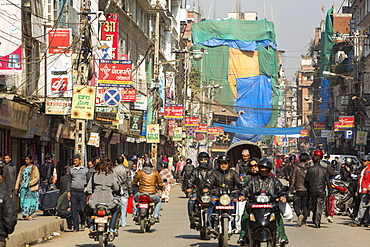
(152, 133)
(83, 102)
(191, 121)
(304, 133)
(109, 31)
(58, 106)
(202, 128)
(212, 131)
(346, 122)
(319, 126)
(128, 95)
(177, 134)
(361, 138)
(115, 73)
(220, 131)
(173, 111)
(336, 127)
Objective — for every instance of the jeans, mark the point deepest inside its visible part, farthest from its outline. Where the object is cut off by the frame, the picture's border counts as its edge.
(301, 204)
(123, 201)
(155, 199)
(365, 197)
(191, 203)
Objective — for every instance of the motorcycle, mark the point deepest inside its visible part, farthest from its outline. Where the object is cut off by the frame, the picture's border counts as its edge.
(145, 218)
(262, 225)
(102, 217)
(200, 215)
(224, 218)
(343, 203)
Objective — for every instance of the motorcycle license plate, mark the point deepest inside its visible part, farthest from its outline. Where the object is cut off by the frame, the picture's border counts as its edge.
(101, 220)
(224, 207)
(143, 205)
(261, 206)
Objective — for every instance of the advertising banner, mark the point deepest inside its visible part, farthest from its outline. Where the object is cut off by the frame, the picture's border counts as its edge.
(177, 134)
(152, 133)
(346, 122)
(83, 102)
(11, 37)
(115, 73)
(191, 121)
(107, 118)
(336, 127)
(136, 122)
(212, 131)
(319, 126)
(109, 31)
(128, 95)
(326, 133)
(202, 128)
(94, 139)
(141, 102)
(58, 106)
(220, 131)
(361, 138)
(173, 111)
(304, 133)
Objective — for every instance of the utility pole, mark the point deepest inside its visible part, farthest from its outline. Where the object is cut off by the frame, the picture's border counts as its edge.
(82, 64)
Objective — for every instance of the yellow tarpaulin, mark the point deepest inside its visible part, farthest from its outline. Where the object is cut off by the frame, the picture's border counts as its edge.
(242, 64)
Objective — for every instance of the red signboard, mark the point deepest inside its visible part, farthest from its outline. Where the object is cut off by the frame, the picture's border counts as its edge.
(173, 112)
(109, 31)
(303, 139)
(191, 121)
(115, 73)
(212, 130)
(346, 122)
(59, 84)
(128, 95)
(319, 126)
(59, 40)
(220, 131)
(304, 132)
(202, 128)
(336, 127)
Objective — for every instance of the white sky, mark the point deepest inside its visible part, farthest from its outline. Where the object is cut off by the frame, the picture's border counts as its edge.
(295, 21)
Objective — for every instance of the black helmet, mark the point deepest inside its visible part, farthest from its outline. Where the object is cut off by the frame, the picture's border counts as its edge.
(223, 157)
(203, 155)
(265, 162)
(189, 161)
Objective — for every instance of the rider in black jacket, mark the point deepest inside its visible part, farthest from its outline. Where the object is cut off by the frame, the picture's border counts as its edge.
(8, 216)
(186, 172)
(197, 182)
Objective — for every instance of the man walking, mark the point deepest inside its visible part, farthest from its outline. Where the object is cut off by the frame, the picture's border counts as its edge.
(316, 180)
(122, 174)
(8, 217)
(77, 181)
(12, 172)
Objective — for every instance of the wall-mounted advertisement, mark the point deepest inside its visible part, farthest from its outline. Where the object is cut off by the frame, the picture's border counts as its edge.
(83, 102)
(115, 73)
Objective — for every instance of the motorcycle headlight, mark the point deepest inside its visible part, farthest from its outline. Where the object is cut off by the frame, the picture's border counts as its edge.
(206, 198)
(251, 217)
(225, 200)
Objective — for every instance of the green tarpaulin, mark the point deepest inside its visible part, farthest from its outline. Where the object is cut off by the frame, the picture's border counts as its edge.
(267, 61)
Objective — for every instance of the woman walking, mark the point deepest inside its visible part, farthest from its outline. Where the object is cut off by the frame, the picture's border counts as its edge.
(167, 178)
(27, 186)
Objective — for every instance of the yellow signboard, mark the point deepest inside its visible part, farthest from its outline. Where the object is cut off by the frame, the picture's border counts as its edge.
(83, 102)
(152, 133)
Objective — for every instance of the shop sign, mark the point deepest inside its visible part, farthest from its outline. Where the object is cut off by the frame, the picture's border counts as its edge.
(304, 133)
(336, 127)
(107, 118)
(11, 37)
(58, 106)
(318, 125)
(191, 121)
(152, 133)
(302, 139)
(326, 133)
(141, 103)
(20, 116)
(109, 31)
(94, 139)
(106, 109)
(171, 127)
(115, 73)
(173, 111)
(361, 138)
(5, 112)
(83, 102)
(212, 131)
(346, 122)
(128, 95)
(220, 131)
(344, 100)
(177, 134)
(136, 122)
(202, 128)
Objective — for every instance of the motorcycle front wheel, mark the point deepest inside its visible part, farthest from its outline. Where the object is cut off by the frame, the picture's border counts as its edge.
(142, 224)
(223, 239)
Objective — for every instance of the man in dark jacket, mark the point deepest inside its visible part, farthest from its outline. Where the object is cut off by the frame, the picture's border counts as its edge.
(186, 172)
(8, 216)
(242, 165)
(46, 174)
(316, 180)
(12, 169)
(301, 201)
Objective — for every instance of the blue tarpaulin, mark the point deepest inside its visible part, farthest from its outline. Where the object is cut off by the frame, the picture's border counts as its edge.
(238, 44)
(260, 130)
(325, 94)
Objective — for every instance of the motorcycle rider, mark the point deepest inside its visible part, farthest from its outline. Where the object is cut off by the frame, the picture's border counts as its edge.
(197, 180)
(223, 177)
(264, 181)
(186, 172)
(147, 180)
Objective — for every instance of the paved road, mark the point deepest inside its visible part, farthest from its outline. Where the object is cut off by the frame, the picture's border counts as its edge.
(174, 231)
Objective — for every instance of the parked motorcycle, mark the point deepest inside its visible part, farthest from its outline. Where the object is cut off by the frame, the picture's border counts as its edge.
(200, 215)
(145, 218)
(223, 220)
(262, 225)
(343, 198)
(102, 217)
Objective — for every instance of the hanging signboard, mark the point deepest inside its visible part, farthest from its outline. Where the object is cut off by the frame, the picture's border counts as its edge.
(115, 73)
(58, 106)
(109, 31)
(361, 138)
(318, 125)
(202, 128)
(336, 127)
(83, 102)
(173, 111)
(212, 131)
(220, 131)
(128, 95)
(304, 133)
(326, 133)
(107, 118)
(177, 134)
(346, 122)
(152, 133)
(94, 139)
(191, 121)
(136, 122)
(141, 102)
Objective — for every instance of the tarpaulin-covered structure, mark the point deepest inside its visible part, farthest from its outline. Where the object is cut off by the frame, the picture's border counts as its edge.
(241, 56)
